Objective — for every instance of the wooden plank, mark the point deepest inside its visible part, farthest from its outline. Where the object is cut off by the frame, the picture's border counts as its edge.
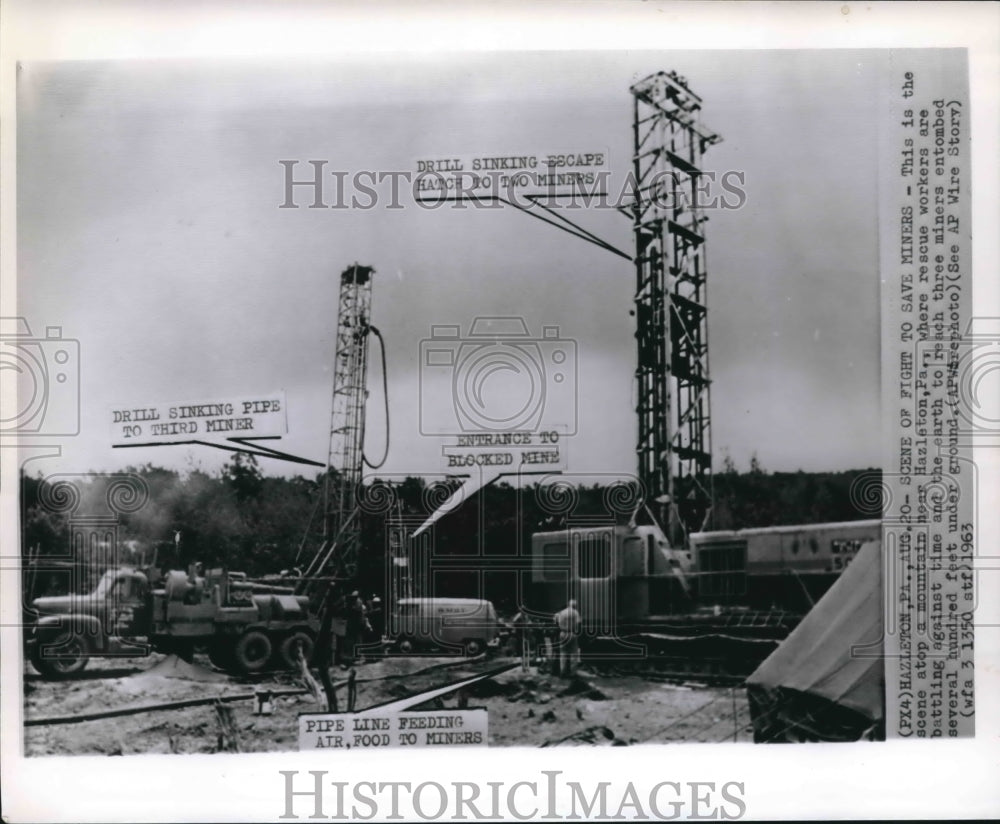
(430, 695)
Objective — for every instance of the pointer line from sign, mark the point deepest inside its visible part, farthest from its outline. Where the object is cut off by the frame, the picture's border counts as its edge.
(469, 488)
(258, 449)
(577, 230)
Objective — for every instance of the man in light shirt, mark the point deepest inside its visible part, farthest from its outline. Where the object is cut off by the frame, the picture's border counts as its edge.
(569, 623)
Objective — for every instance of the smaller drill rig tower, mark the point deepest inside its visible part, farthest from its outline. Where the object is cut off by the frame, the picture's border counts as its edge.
(341, 520)
(341, 523)
(674, 444)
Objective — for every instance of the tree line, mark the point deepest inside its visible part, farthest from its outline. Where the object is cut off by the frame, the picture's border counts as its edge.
(241, 519)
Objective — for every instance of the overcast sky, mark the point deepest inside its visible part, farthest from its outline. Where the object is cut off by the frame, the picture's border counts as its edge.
(149, 229)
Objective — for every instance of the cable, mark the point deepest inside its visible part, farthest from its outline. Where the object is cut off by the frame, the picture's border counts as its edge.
(305, 535)
(385, 397)
(686, 715)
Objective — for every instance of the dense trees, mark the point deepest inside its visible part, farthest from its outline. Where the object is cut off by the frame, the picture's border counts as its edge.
(760, 498)
(245, 520)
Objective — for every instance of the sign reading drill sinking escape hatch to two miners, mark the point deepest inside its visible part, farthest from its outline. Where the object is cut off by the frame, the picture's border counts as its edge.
(207, 419)
(543, 174)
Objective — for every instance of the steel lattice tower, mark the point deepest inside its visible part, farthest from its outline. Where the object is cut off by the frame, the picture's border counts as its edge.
(674, 444)
(347, 422)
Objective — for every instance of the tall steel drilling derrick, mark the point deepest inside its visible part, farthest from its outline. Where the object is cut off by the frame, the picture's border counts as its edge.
(674, 444)
(341, 523)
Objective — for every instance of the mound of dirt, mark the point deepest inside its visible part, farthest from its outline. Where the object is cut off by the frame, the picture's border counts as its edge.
(174, 667)
(590, 735)
(491, 688)
(584, 689)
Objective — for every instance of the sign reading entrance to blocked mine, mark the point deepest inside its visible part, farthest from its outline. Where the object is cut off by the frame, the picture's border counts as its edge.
(374, 730)
(485, 456)
(506, 453)
(205, 419)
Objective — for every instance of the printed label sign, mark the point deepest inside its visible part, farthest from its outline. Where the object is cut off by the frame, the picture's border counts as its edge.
(540, 174)
(252, 416)
(929, 346)
(440, 728)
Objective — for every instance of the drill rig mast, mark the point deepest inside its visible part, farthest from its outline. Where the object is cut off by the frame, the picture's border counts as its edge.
(345, 458)
(674, 445)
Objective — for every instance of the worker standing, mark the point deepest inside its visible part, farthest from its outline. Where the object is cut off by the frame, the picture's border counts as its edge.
(357, 625)
(569, 625)
(338, 629)
(376, 620)
(520, 625)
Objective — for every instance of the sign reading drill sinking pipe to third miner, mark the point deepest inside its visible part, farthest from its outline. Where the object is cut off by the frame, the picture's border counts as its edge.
(205, 419)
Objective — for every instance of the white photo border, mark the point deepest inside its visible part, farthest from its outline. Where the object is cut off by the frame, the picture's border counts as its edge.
(891, 780)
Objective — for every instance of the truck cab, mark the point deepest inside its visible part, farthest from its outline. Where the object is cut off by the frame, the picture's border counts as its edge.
(244, 627)
(68, 629)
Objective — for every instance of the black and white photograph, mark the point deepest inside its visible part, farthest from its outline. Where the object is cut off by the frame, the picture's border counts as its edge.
(521, 400)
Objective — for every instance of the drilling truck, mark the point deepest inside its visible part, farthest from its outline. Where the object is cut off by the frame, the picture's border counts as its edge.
(245, 627)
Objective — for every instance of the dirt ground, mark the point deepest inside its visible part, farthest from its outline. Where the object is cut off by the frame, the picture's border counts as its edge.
(525, 708)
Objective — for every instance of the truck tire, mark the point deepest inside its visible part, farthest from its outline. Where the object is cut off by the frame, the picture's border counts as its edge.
(68, 654)
(472, 647)
(220, 653)
(286, 652)
(183, 648)
(252, 652)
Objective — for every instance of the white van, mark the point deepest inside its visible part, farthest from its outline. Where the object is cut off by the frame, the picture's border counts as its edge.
(469, 624)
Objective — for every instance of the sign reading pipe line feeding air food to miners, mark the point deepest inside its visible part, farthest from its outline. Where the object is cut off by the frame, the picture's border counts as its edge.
(439, 728)
(252, 416)
(498, 175)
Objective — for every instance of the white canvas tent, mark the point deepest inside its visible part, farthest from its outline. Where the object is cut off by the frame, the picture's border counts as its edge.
(826, 681)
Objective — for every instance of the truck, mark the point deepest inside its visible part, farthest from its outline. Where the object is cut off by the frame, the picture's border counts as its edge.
(469, 624)
(244, 627)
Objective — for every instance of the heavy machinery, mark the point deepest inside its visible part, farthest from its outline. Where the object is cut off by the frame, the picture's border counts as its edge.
(781, 567)
(681, 593)
(338, 553)
(244, 627)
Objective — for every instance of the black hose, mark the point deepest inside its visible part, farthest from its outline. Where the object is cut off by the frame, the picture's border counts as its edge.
(385, 398)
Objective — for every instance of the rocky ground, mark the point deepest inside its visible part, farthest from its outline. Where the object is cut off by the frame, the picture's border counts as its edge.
(526, 708)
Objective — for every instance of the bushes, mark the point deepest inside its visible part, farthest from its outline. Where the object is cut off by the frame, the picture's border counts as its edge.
(244, 520)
